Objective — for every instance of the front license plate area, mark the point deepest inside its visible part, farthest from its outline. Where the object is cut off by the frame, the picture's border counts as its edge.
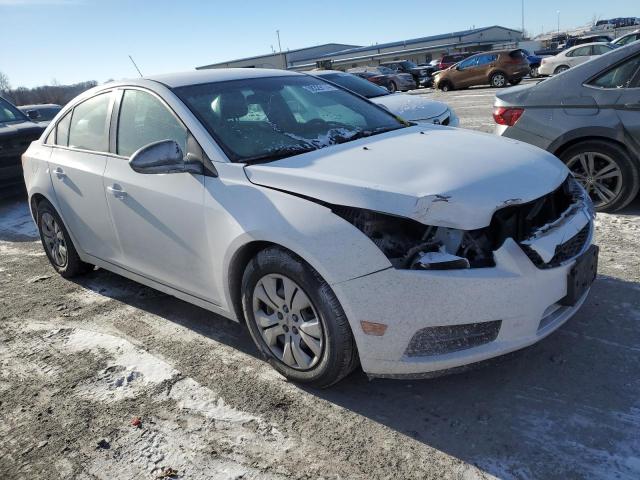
(581, 276)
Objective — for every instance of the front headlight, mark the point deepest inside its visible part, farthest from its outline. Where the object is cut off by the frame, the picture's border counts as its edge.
(411, 245)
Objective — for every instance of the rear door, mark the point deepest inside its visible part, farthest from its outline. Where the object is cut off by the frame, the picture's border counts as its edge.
(579, 55)
(76, 166)
(159, 218)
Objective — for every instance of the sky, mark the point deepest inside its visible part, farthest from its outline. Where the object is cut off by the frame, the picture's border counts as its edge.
(69, 41)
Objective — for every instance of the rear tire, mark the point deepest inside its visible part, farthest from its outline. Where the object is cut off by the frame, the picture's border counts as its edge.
(606, 170)
(498, 80)
(275, 286)
(560, 69)
(57, 243)
(393, 88)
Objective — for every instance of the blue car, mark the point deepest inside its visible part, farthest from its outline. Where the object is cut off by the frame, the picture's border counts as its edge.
(534, 63)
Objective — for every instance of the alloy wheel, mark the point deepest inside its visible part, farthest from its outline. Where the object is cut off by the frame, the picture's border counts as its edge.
(288, 322)
(499, 80)
(54, 240)
(600, 175)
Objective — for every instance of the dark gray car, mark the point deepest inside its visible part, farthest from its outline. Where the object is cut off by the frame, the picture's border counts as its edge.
(589, 117)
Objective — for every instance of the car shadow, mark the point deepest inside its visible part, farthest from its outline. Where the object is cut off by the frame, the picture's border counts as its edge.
(567, 407)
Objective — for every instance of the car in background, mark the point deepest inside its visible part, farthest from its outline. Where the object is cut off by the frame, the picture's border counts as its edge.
(17, 132)
(572, 57)
(571, 42)
(385, 77)
(590, 118)
(534, 63)
(496, 68)
(338, 235)
(415, 108)
(421, 75)
(626, 39)
(42, 113)
(449, 60)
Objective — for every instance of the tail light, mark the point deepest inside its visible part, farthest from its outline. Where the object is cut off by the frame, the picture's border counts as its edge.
(507, 115)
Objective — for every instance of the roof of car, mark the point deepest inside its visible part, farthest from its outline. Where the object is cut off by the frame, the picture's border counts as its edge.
(326, 72)
(39, 105)
(194, 77)
(584, 45)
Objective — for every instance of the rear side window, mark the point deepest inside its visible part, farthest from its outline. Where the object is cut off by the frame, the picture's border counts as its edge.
(620, 76)
(90, 124)
(143, 120)
(62, 131)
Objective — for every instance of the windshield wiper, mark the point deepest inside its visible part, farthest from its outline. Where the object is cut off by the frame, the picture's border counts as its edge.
(276, 154)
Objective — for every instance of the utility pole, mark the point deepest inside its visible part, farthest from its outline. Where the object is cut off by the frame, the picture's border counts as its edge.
(284, 67)
(523, 19)
(558, 12)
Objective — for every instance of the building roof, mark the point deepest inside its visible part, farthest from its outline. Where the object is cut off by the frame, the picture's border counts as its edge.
(339, 47)
(412, 41)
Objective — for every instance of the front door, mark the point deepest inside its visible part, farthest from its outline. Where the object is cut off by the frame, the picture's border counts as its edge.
(76, 166)
(159, 218)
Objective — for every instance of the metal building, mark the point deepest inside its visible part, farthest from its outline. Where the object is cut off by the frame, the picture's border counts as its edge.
(419, 50)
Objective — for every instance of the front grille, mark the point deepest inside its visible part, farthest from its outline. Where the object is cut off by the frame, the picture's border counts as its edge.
(440, 340)
(564, 252)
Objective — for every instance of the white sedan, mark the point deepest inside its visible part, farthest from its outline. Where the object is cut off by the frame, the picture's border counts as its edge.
(414, 108)
(337, 232)
(572, 57)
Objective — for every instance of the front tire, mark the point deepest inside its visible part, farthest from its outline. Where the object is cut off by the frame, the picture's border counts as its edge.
(534, 72)
(57, 243)
(607, 172)
(515, 82)
(296, 321)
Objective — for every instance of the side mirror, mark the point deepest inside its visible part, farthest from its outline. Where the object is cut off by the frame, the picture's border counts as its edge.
(33, 114)
(164, 156)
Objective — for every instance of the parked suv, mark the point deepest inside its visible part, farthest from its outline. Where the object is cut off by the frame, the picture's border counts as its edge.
(421, 75)
(16, 133)
(497, 68)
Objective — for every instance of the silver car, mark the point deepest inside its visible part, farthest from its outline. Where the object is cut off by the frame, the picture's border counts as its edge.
(590, 118)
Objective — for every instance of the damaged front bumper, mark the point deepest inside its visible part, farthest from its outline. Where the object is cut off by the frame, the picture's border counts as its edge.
(438, 320)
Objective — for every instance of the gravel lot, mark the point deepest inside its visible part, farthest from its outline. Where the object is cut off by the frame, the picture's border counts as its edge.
(79, 360)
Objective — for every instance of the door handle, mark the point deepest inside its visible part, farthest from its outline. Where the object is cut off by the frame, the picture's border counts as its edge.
(59, 172)
(117, 191)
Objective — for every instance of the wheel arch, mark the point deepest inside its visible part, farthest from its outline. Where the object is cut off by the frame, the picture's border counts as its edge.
(562, 145)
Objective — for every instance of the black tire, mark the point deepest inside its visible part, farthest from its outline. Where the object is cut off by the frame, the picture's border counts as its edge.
(72, 265)
(560, 69)
(339, 355)
(445, 86)
(498, 80)
(515, 81)
(393, 88)
(534, 72)
(628, 168)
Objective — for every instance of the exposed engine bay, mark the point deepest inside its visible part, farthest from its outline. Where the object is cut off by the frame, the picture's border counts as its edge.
(409, 244)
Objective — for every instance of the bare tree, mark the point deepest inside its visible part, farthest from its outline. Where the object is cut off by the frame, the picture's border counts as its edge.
(4, 83)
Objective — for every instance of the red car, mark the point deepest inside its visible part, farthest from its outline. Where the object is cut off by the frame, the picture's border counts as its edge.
(448, 60)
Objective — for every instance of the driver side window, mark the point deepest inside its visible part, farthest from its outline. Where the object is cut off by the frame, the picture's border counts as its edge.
(143, 120)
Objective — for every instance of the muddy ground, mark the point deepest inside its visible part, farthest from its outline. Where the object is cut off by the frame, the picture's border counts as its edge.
(80, 360)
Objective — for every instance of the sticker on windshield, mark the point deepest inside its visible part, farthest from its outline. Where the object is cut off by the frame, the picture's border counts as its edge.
(320, 87)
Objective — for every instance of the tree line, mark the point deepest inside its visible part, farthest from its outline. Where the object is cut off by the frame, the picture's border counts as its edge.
(58, 94)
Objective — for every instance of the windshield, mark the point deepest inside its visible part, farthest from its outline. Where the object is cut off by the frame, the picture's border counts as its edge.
(9, 113)
(356, 84)
(262, 119)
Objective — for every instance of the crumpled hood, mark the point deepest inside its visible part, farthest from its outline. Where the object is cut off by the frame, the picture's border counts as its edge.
(436, 175)
(411, 107)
